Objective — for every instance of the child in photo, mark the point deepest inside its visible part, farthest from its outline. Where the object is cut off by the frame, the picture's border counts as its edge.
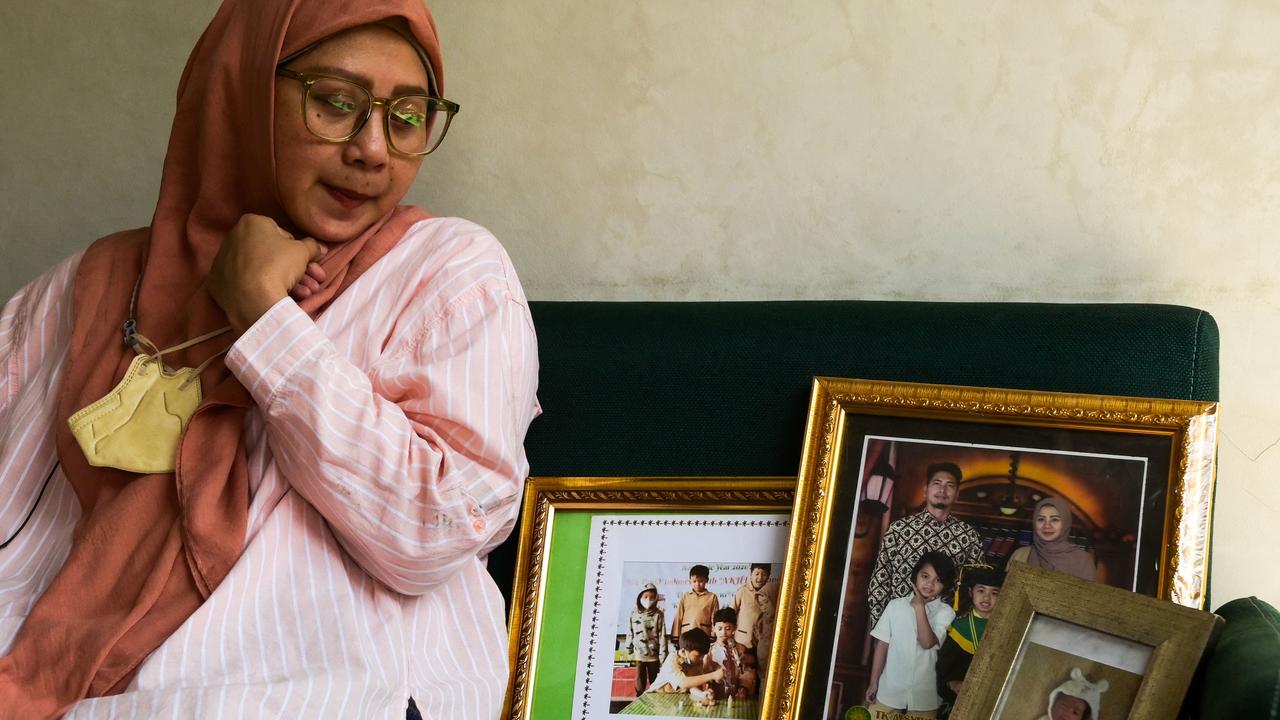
(690, 669)
(1076, 699)
(908, 635)
(754, 603)
(647, 637)
(698, 607)
(726, 652)
(980, 588)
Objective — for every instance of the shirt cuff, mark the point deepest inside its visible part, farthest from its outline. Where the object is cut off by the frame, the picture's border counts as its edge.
(272, 349)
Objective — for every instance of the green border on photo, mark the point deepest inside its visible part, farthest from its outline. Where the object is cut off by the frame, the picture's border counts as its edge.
(557, 652)
(560, 625)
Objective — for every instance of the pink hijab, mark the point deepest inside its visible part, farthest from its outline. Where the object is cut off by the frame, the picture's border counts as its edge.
(1061, 554)
(149, 549)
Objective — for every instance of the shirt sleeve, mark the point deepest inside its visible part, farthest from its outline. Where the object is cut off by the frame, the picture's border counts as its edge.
(35, 326)
(670, 676)
(883, 628)
(631, 645)
(881, 576)
(973, 551)
(663, 648)
(418, 463)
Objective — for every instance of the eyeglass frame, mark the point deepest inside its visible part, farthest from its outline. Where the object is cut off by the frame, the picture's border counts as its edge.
(449, 107)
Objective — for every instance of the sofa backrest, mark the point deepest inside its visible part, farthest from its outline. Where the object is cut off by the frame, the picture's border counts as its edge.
(722, 388)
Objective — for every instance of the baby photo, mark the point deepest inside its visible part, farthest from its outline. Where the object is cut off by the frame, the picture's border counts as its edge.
(1067, 672)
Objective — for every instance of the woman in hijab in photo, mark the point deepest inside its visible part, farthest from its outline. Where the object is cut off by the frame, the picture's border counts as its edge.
(1051, 545)
(254, 454)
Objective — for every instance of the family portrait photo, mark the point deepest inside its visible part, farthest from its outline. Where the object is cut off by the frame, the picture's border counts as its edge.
(922, 505)
(942, 512)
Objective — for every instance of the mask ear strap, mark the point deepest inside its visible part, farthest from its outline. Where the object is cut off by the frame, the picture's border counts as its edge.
(135, 339)
(158, 354)
(195, 376)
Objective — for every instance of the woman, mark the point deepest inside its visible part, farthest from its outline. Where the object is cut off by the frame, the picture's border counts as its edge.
(309, 540)
(1051, 545)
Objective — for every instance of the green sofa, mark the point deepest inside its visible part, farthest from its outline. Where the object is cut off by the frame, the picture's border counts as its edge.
(722, 388)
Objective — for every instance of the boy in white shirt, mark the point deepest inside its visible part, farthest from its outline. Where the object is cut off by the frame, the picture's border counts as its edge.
(690, 669)
(907, 637)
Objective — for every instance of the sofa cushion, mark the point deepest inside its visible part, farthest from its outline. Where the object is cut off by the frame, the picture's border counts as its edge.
(1242, 673)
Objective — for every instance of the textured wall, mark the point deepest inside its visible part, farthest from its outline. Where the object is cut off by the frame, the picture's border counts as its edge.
(1113, 151)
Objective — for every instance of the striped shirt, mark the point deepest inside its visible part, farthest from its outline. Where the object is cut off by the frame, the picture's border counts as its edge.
(385, 458)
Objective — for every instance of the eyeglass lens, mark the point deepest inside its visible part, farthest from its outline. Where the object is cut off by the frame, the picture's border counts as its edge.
(335, 109)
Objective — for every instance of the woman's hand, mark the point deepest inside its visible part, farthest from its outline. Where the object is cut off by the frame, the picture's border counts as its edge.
(872, 688)
(257, 265)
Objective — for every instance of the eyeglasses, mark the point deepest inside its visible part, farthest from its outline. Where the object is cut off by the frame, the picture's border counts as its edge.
(336, 110)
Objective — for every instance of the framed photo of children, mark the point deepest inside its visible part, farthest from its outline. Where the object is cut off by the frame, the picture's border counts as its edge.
(646, 596)
(1064, 647)
(906, 487)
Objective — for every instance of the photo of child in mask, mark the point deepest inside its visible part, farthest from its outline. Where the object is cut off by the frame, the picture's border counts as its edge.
(647, 637)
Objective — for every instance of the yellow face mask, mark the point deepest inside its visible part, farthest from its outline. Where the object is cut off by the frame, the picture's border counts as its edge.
(137, 426)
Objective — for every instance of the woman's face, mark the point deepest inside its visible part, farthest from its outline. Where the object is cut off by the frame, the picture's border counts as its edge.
(1048, 523)
(331, 191)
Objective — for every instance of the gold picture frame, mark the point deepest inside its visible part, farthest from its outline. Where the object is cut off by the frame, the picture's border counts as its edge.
(561, 553)
(1161, 452)
(1091, 625)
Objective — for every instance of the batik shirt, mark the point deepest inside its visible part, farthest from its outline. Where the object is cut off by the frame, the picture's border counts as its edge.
(904, 542)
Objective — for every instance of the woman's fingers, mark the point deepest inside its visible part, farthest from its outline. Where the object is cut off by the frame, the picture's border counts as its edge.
(313, 277)
(313, 247)
(316, 272)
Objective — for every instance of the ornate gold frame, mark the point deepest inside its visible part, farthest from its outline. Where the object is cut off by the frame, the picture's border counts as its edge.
(1177, 635)
(545, 496)
(1191, 425)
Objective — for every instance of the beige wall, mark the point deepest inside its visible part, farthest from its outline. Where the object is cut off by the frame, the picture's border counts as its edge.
(1112, 151)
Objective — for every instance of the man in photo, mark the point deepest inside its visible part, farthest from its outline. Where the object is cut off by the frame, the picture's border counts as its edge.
(908, 538)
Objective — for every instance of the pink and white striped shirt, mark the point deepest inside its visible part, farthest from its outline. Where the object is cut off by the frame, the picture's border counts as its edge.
(385, 459)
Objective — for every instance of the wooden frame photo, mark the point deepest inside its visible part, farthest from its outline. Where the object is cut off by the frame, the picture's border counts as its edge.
(1122, 654)
(594, 551)
(1131, 480)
